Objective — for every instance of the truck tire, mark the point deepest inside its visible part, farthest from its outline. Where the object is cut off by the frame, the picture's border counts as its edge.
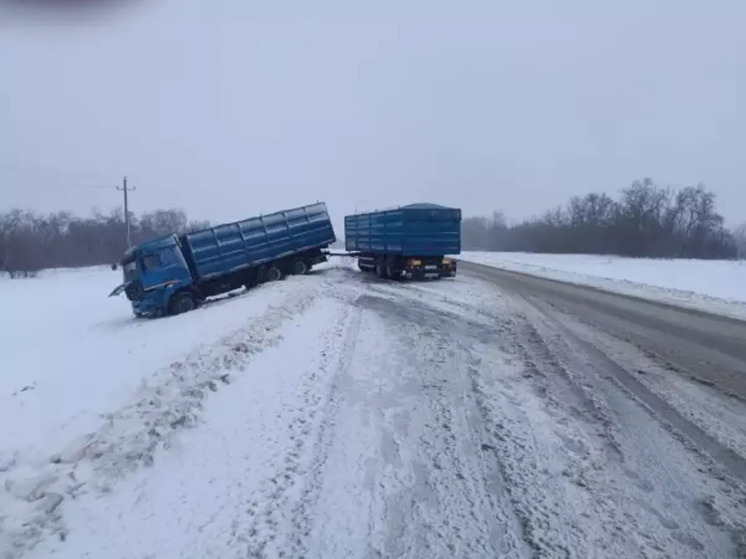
(273, 273)
(381, 269)
(181, 303)
(300, 268)
(391, 270)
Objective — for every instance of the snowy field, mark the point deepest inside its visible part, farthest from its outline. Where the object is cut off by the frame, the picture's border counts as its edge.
(717, 286)
(334, 415)
(76, 363)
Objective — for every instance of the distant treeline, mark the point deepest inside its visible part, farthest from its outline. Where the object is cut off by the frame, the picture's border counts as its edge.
(30, 242)
(644, 221)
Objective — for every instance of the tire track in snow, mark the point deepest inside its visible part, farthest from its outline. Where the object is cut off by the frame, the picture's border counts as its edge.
(726, 459)
(577, 485)
(281, 525)
(559, 386)
(622, 490)
(546, 453)
(302, 515)
(724, 504)
(507, 442)
(469, 513)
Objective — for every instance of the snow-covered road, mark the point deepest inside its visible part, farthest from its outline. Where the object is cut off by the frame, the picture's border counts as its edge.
(358, 418)
(709, 285)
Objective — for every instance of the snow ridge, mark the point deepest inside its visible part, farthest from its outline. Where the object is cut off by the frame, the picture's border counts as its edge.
(170, 400)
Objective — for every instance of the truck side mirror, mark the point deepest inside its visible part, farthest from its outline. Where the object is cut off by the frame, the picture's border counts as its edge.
(114, 266)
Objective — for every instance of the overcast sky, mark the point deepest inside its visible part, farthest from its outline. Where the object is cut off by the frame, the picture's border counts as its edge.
(229, 108)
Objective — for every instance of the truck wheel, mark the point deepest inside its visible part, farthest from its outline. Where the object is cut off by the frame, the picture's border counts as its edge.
(274, 274)
(181, 303)
(391, 271)
(381, 269)
(300, 268)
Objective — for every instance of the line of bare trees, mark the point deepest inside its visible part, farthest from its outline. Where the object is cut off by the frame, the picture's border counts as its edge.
(645, 221)
(30, 242)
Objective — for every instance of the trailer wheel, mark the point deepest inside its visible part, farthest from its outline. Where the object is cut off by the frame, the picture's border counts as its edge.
(391, 271)
(381, 269)
(300, 268)
(274, 274)
(181, 303)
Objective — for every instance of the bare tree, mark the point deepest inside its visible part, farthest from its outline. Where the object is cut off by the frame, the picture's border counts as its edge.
(647, 220)
(740, 237)
(30, 242)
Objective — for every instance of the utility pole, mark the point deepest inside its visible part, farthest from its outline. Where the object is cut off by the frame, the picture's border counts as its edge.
(124, 188)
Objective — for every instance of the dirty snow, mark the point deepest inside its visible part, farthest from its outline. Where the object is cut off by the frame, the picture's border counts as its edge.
(335, 415)
(708, 285)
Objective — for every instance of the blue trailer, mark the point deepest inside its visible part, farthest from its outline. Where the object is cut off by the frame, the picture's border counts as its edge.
(411, 242)
(175, 273)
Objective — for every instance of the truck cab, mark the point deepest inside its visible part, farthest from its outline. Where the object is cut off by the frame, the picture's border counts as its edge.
(153, 272)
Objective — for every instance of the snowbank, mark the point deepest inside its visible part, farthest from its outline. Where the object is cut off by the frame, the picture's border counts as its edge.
(710, 285)
(262, 424)
(71, 354)
(83, 379)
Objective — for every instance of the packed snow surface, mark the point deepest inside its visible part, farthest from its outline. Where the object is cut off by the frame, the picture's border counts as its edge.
(717, 286)
(336, 415)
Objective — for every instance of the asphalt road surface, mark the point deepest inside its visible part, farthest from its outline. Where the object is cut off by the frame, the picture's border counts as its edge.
(708, 348)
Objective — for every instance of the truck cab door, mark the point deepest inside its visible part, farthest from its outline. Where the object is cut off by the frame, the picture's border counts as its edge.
(119, 289)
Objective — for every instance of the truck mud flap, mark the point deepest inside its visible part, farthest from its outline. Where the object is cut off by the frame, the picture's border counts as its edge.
(119, 289)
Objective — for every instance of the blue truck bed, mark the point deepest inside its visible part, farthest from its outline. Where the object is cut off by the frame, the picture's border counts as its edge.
(409, 242)
(228, 247)
(176, 273)
(413, 230)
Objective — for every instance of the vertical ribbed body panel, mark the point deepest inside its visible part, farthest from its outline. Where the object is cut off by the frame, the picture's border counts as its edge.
(414, 230)
(222, 249)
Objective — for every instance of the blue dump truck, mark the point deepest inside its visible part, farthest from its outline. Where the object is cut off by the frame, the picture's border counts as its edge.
(175, 273)
(411, 242)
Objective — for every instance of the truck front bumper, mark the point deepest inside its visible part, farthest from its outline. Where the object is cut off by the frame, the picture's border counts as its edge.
(146, 309)
(154, 304)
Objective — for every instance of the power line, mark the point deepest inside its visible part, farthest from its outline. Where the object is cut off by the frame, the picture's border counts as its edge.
(126, 189)
(16, 185)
